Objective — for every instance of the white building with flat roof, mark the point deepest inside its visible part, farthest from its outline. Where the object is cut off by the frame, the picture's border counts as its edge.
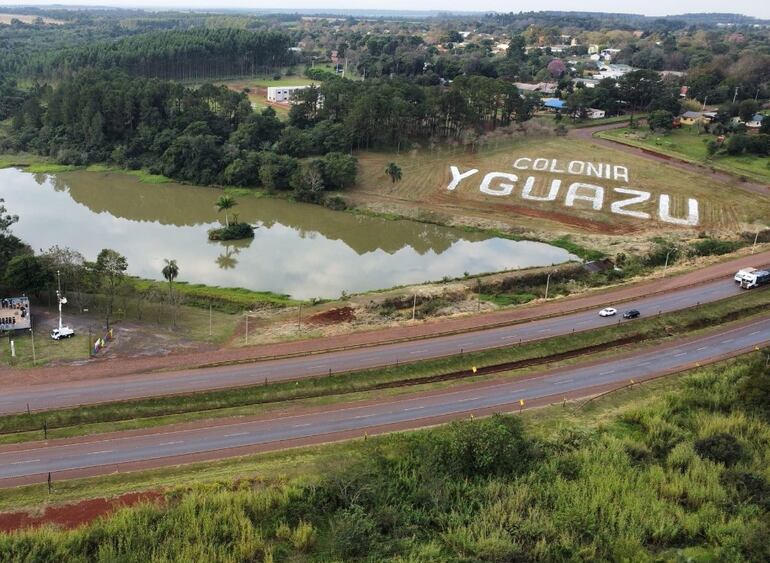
(283, 93)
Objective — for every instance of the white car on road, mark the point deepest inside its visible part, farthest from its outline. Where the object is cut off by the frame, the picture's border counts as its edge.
(608, 312)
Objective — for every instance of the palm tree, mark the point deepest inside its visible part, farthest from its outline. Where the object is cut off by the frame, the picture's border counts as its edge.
(170, 272)
(394, 171)
(224, 203)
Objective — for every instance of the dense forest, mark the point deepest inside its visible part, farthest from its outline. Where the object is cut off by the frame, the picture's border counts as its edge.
(199, 54)
(211, 134)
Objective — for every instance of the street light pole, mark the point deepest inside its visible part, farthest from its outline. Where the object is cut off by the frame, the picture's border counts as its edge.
(32, 333)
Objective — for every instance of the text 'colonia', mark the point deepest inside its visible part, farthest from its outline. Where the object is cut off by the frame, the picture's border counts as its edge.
(624, 199)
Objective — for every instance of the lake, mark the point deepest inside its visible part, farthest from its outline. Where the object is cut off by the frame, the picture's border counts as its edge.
(299, 249)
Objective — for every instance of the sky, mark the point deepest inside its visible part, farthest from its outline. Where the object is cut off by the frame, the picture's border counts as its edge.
(757, 8)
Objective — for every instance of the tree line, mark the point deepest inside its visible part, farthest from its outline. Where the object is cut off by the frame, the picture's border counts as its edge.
(211, 135)
(197, 54)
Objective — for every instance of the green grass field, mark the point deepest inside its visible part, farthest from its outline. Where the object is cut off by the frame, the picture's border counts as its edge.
(686, 143)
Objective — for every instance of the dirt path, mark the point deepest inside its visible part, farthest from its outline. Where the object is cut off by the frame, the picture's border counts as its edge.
(69, 516)
(413, 330)
(587, 134)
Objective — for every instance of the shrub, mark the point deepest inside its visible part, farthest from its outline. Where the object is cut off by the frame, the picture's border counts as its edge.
(721, 448)
(336, 203)
(353, 531)
(236, 231)
(478, 448)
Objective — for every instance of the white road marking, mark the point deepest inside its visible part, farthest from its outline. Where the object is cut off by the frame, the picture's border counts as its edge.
(606, 372)
(301, 425)
(234, 435)
(755, 332)
(701, 348)
(643, 364)
(562, 381)
(27, 461)
(680, 354)
(728, 340)
(171, 443)
(413, 409)
(100, 452)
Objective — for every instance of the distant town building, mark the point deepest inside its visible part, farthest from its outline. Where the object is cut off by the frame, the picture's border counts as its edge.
(540, 87)
(612, 71)
(554, 103)
(756, 121)
(283, 93)
(594, 113)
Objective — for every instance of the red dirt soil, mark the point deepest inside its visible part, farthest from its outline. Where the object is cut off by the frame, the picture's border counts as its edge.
(332, 316)
(70, 516)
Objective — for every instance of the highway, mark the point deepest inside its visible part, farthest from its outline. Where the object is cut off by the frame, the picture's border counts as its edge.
(31, 462)
(51, 395)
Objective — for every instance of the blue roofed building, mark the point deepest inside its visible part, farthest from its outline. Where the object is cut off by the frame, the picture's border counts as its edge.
(554, 103)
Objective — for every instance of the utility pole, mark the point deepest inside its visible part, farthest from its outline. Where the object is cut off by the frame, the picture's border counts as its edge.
(414, 306)
(32, 334)
(210, 332)
(547, 283)
(299, 317)
(754, 246)
(247, 328)
(735, 96)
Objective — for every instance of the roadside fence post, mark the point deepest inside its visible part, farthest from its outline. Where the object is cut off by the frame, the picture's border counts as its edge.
(49, 483)
(45, 429)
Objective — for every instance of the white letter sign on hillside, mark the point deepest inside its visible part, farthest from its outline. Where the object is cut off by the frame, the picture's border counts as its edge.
(456, 176)
(626, 200)
(502, 188)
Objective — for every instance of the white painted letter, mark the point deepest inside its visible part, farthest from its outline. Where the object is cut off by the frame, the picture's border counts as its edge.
(456, 176)
(576, 167)
(594, 169)
(597, 199)
(555, 170)
(526, 192)
(664, 211)
(518, 160)
(503, 188)
(621, 173)
(540, 164)
(619, 207)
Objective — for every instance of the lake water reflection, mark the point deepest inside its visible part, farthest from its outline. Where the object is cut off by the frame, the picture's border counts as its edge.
(303, 250)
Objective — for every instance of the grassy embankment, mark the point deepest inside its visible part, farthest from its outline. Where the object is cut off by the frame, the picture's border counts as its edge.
(687, 144)
(421, 194)
(393, 380)
(676, 469)
(37, 164)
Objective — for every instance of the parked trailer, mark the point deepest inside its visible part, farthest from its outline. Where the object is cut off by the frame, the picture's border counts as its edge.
(750, 281)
